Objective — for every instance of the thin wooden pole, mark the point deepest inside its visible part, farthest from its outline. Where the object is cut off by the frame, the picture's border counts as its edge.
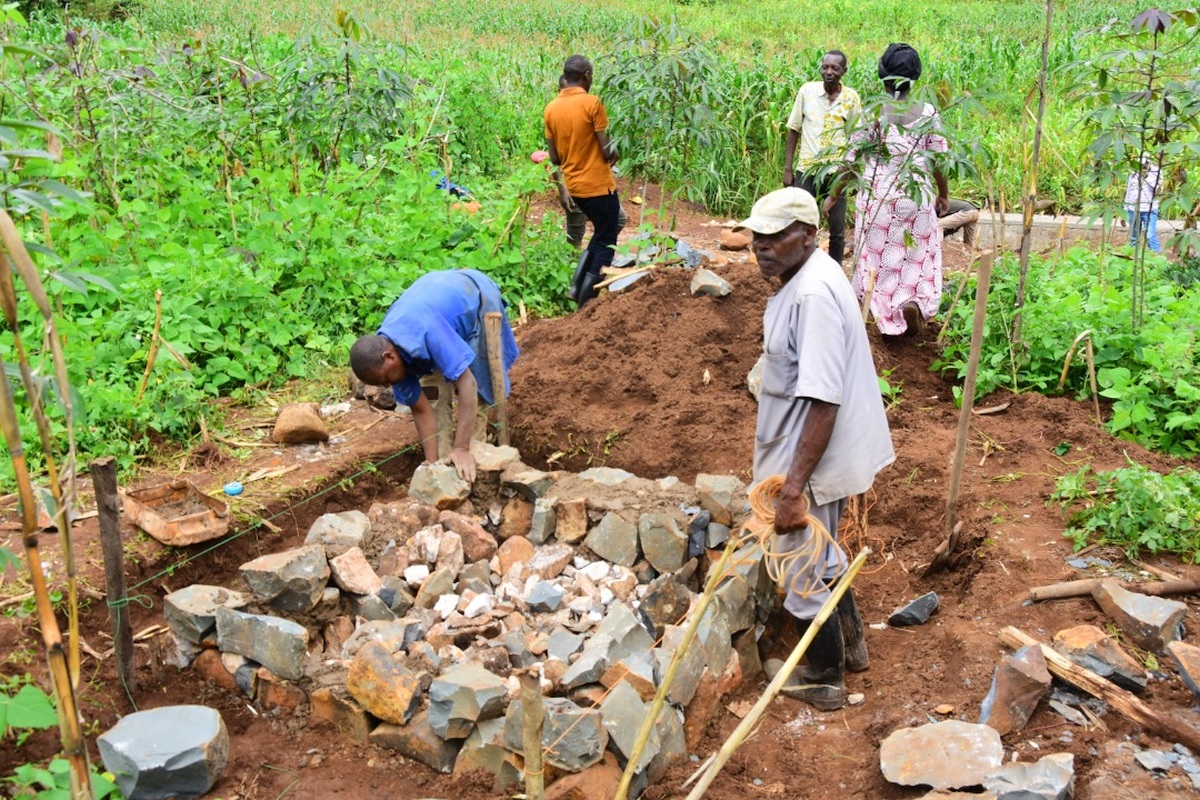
(533, 715)
(1083, 588)
(108, 504)
(751, 719)
(982, 285)
(491, 329)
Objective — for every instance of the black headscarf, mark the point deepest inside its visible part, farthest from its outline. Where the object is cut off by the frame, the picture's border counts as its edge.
(900, 61)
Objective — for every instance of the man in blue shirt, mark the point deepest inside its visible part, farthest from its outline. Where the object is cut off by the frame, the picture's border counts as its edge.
(436, 325)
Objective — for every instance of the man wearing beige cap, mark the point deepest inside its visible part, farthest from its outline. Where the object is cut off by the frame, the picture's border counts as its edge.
(821, 424)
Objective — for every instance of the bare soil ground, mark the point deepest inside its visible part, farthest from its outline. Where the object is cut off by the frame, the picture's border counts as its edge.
(623, 383)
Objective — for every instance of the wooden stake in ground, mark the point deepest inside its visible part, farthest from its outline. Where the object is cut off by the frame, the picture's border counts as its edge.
(1126, 703)
(108, 503)
(492, 322)
(983, 281)
(751, 719)
(533, 715)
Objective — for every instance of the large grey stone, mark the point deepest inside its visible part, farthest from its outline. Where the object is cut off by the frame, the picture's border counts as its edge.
(593, 662)
(277, 644)
(438, 485)
(573, 738)
(715, 640)
(417, 740)
(623, 713)
(191, 612)
(484, 749)
(614, 539)
(944, 755)
(629, 636)
(544, 521)
(545, 597)
(735, 603)
(690, 670)
(663, 541)
(1151, 622)
(383, 685)
(290, 581)
(562, 644)
(638, 671)
(167, 752)
(1051, 777)
(1091, 648)
(672, 742)
(705, 281)
(717, 495)
(1018, 685)
(463, 696)
(338, 532)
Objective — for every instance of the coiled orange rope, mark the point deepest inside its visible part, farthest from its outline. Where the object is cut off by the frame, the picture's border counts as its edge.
(801, 562)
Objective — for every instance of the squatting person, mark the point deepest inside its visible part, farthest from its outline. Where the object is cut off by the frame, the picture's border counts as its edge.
(435, 330)
(821, 424)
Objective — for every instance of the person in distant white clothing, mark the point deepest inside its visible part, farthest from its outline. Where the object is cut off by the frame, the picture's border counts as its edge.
(1141, 204)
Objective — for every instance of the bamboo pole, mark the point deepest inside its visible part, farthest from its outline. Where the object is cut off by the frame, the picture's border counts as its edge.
(533, 716)
(104, 479)
(982, 285)
(1125, 702)
(716, 574)
(492, 325)
(751, 719)
(1031, 198)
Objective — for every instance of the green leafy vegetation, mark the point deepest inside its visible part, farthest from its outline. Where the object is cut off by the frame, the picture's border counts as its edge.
(1133, 507)
(1150, 375)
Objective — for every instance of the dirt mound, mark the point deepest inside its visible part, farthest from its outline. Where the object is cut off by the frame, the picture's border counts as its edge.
(651, 380)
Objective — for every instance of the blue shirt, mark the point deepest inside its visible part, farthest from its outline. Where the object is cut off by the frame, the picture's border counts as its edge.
(437, 324)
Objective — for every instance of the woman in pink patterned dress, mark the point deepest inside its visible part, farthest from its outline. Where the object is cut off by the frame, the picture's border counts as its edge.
(897, 239)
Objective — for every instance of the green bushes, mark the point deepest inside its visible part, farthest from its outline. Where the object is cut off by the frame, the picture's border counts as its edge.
(1150, 375)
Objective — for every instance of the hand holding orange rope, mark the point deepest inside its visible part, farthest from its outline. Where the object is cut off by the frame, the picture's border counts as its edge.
(801, 562)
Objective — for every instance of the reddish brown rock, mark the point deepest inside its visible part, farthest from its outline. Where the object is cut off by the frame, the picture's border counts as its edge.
(598, 780)
(275, 692)
(335, 706)
(516, 519)
(572, 525)
(337, 632)
(731, 680)
(299, 423)
(701, 711)
(1187, 659)
(353, 574)
(209, 665)
(383, 685)
(517, 550)
(477, 544)
(734, 240)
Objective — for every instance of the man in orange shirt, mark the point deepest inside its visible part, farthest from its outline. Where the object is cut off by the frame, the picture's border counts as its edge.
(577, 138)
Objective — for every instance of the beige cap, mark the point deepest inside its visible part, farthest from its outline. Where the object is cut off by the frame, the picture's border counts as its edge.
(775, 211)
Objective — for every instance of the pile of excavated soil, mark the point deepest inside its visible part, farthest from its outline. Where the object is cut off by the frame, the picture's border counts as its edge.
(651, 380)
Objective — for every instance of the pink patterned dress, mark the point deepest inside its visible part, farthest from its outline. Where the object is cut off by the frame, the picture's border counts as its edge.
(897, 239)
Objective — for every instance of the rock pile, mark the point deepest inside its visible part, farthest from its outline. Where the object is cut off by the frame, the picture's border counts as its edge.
(407, 625)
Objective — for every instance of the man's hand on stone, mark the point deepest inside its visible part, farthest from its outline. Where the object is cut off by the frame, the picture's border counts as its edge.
(464, 463)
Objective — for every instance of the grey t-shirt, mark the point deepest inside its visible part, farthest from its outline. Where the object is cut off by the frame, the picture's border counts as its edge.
(816, 348)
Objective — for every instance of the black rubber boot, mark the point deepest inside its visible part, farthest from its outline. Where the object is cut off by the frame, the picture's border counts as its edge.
(821, 680)
(587, 290)
(857, 658)
(581, 269)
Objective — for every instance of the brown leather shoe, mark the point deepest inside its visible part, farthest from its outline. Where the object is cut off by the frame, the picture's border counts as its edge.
(913, 320)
